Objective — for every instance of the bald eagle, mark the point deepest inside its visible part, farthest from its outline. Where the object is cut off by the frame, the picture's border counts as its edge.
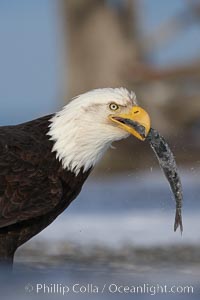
(45, 162)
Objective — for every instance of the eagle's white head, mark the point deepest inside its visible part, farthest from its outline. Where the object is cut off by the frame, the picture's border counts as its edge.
(85, 128)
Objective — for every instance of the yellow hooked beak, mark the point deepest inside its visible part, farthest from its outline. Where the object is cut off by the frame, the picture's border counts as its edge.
(136, 122)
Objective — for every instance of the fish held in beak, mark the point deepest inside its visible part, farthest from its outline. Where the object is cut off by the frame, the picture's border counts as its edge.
(168, 165)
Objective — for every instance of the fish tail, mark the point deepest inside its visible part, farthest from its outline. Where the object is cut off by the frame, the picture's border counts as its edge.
(178, 220)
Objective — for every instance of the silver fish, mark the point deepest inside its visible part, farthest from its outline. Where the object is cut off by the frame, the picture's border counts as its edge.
(168, 165)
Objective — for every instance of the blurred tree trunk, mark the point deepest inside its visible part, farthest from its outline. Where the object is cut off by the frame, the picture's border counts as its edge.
(101, 42)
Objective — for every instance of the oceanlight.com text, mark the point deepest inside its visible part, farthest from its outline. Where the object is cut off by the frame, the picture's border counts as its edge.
(112, 288)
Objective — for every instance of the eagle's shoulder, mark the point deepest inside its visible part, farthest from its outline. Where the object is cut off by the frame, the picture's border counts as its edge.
(25, 142)
(29, 185)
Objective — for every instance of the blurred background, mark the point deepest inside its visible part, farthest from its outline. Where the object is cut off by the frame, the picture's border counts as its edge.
(121, 226)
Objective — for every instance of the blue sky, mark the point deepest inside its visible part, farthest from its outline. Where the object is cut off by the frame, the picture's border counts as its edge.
(31, 60)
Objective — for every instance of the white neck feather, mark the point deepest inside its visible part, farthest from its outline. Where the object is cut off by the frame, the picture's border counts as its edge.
(80, 136)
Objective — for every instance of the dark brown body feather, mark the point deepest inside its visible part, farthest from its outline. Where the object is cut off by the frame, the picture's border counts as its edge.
(34, 188)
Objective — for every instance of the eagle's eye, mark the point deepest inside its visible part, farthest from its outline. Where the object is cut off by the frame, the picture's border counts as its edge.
(113, 106)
